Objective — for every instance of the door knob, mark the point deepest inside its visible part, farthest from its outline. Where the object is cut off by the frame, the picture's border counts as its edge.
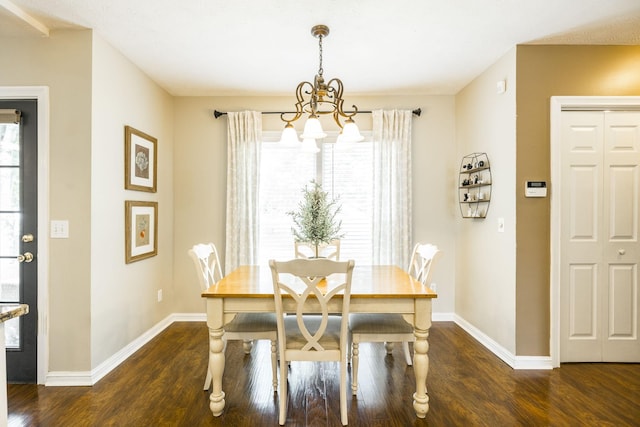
(27, 238)
(27, 257)
(621, 251)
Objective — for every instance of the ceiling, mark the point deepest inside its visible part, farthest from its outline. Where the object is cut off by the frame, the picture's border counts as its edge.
(381, 47)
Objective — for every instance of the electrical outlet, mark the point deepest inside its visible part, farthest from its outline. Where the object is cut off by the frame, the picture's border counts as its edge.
(159, 295)
(434, 287)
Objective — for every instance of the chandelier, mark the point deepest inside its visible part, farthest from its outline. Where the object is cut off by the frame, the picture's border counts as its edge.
(317, 99)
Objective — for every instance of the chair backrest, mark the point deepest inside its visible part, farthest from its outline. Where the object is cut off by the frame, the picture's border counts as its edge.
(205, 258)
(312, 284)
(307, 250)
(422, 260)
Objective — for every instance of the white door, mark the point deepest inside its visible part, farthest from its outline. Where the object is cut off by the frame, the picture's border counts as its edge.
(599, 247)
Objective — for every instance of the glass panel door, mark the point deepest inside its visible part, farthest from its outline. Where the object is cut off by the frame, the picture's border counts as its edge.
(19, 234)
(10, 225)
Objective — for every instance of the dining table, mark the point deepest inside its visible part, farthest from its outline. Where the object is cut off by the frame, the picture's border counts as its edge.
(374, 289)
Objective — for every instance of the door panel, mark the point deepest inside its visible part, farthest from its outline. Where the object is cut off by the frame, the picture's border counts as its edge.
(584, 203)
(621, 307)
(582, 300)
(623, 196)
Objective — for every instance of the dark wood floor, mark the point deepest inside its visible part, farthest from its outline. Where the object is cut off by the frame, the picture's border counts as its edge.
(161, 385)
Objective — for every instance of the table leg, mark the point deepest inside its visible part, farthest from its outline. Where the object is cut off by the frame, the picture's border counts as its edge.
(420, 369)
(420, 357)
(216, 364)
(216, 355)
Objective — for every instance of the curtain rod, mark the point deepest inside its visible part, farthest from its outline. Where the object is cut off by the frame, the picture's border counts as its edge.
(217, 113)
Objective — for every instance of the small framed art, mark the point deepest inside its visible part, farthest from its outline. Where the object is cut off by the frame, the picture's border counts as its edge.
(140, 172)
(141, 230)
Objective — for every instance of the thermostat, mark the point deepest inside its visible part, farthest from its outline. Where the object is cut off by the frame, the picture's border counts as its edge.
(535, 189)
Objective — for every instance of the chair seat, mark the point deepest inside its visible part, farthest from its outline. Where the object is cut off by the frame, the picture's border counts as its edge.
(252, 322)
(380, 324)
(330, 340)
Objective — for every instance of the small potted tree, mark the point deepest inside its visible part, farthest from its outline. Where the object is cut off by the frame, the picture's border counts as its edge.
(315, 220)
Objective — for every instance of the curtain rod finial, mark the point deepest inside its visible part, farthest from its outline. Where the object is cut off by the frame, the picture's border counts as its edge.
(217, 113)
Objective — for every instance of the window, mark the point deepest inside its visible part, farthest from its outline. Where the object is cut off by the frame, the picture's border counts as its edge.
(346, 172)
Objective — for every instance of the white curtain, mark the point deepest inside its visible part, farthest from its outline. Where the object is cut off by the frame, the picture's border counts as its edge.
(392, 187)
(244, 138)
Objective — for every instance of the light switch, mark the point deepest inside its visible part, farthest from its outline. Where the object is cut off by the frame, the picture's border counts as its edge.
(59, 229)
(500, 225)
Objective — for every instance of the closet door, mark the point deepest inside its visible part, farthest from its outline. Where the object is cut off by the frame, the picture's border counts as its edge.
(599, 237)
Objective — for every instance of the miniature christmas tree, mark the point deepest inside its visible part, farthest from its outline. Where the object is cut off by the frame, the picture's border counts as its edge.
(315, 219)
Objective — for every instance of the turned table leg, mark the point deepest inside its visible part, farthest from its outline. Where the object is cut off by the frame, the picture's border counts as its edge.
(216, 354)
(420, 369)
(422, 323)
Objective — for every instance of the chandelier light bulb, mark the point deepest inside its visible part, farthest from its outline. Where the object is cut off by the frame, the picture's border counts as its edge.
(289, 136)
(350, 132)
(313, 128)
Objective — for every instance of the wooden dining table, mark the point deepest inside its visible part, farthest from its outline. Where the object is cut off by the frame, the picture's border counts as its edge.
(374, 289)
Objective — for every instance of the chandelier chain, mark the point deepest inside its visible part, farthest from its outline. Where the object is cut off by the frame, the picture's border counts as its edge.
(320, 70)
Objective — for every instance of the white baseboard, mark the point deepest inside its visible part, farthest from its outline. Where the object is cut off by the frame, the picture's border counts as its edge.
(443, 317)
(516, 362)
(89, 378)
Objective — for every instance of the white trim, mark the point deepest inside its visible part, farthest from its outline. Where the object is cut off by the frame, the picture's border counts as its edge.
(41, 94)
(516, 362)
(89, 378)
(443, 317)
(69, 379)
(557, 104)
(532, 362)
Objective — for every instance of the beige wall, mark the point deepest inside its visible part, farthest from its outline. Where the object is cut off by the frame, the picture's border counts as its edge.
(63, 63)
(545, 71)
(485, 258)
(124, 301)
(200, 177)
(97, 305)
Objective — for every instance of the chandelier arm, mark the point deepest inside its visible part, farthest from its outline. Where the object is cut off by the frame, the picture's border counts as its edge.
(299, 104)
(336, 89)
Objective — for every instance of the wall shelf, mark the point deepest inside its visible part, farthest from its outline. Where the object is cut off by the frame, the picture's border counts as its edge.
(474, 185)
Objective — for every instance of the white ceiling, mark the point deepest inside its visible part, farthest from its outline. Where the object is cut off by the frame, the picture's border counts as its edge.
(264, 47)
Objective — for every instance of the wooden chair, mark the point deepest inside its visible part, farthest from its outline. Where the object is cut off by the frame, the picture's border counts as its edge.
(312, 334)
(245, 326)
(307, 250)
(390, 327)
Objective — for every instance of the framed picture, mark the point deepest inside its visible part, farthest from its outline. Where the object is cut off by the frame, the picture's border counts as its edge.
(141, 230)
(140, 172)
